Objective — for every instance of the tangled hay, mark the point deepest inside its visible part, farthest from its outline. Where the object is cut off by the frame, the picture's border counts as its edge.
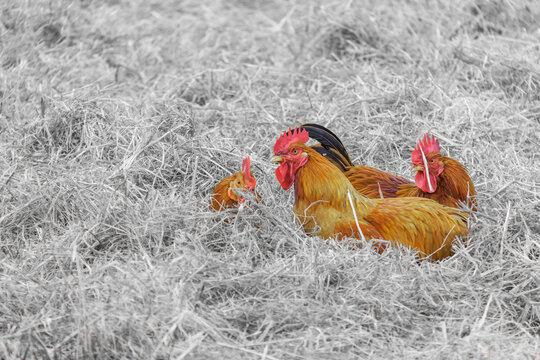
(117, 119)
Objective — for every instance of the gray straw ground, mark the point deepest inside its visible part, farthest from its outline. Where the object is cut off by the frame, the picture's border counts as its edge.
(117, 119)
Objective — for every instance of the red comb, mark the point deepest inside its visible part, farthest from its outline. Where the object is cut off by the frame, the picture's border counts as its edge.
(428, 146)
(295, 135)
(249, 180)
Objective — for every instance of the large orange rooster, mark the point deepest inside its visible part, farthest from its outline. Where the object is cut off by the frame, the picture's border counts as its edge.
(225, 195)
(438, 177)
(326, 202)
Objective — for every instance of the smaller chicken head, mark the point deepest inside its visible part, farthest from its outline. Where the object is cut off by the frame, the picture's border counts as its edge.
(243, 180)
(289, 153)
(427, 162)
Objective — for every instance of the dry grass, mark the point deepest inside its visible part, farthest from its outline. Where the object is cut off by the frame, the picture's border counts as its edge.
(118, 117)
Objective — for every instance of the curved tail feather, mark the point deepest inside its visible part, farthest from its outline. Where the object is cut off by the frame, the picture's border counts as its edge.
(331, 146)
(334, 156)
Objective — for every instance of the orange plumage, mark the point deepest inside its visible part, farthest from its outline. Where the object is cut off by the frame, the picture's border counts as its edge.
(327, 204)
(446, 181)
(225, 195)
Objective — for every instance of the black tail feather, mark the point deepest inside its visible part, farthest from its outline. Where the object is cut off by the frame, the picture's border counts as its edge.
(335, 157)
(332, 147)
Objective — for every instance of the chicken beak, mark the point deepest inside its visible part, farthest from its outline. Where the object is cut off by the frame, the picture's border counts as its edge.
(418, 168)
(276, 159)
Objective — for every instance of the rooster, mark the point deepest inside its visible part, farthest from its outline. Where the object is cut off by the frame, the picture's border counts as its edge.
(438, 177)
(328, 204)
(225, 195)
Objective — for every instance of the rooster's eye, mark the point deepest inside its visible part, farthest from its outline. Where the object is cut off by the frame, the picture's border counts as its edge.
(432, 161)
(238, 183)
(294, 151)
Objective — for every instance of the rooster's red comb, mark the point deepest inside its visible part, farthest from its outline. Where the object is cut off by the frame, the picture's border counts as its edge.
(249, 180)
(428, 146)
(295, 135)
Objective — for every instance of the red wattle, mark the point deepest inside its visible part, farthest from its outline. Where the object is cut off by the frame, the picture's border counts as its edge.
(285, 175)
(422, 182)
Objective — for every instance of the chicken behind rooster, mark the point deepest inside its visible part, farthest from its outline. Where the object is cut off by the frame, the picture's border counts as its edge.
(439, 177)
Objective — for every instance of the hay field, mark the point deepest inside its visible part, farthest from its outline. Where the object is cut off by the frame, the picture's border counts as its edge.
(118, 117)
